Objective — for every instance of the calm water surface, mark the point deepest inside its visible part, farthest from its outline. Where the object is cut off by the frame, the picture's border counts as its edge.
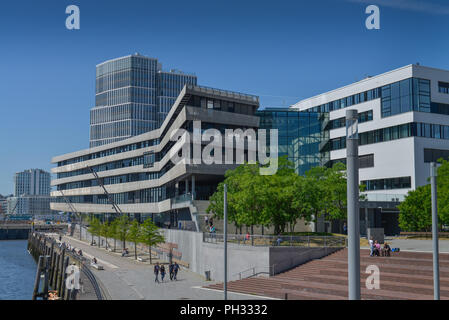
(17, 270)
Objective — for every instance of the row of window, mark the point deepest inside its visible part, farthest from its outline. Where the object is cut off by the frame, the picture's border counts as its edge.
(341, 122)
(413, 129)
(388, 184)
(411, 94)
(347, 101)
(365, 161)
(222, 105)
(109, 152)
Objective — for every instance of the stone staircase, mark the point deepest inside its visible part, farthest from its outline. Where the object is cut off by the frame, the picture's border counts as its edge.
(403, 276)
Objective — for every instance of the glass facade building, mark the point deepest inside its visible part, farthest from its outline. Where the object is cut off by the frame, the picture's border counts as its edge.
(299, 135)
(133, 96)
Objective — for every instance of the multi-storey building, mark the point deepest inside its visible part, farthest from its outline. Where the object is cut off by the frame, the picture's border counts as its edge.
(31, 193)
(403, 126)
(133, 96)
(32, 182)
(138, 173)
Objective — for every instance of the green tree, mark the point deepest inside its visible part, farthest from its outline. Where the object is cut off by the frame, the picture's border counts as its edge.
(94, 228)
(150, 235)
(415, 211)
(113, 232)
(104, 231)
(123, 228)
(134, 235)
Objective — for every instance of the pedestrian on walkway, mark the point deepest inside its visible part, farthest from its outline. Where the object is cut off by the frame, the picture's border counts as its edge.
(371, 246)
(162, 272)
(156, 272)
(175, 270)
(171, 269)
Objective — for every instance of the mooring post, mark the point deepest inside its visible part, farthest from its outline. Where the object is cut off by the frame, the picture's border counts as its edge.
(61, 273)
(47, 266)
(38, 278)
(64, 276)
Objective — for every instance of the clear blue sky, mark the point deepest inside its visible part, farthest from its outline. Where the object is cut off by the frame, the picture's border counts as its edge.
(294, 49)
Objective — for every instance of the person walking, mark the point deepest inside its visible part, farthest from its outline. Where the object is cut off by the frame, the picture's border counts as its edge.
(162, 272)
(175, 270)
(171, 269)
(206, 220)
(371, 246)
(156, 272)
(345, 228)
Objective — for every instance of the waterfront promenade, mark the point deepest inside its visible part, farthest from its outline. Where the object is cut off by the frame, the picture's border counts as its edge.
(128, 279)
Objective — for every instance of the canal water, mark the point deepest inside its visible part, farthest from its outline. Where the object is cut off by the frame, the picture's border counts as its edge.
(17, 270)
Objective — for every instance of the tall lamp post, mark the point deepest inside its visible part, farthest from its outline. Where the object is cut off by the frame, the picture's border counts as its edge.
(352, 161)
(436, 262)
(225, 232)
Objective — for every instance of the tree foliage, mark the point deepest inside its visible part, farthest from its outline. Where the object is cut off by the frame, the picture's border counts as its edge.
(416, 210)
(282, 199)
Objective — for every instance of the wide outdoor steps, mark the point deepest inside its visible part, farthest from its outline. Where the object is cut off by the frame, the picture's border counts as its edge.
(403, 276)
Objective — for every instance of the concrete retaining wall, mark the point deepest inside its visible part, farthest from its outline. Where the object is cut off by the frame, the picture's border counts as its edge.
(203, 256)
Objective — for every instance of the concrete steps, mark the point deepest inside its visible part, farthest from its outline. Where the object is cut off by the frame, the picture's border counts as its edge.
(403, 276)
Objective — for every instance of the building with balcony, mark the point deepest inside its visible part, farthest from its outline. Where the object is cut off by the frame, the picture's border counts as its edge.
(137, 176)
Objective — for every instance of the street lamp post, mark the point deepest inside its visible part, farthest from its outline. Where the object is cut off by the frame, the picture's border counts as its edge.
(436, 262)
(352, 161)
(225, 232)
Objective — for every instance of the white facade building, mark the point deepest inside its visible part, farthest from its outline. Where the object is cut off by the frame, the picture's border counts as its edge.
(403, 126)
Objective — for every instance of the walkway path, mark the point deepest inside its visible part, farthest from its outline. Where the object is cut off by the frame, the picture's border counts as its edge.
(127, 279)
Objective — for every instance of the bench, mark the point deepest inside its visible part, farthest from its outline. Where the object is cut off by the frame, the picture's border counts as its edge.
(97, 266)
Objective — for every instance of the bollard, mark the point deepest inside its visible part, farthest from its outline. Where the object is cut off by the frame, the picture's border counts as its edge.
(37, 279)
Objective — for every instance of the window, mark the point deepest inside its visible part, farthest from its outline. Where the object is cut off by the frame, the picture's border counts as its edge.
(366, 161)
(432, 155)
(443, 87)
(148, 159)
(210, 104)
(388, 183)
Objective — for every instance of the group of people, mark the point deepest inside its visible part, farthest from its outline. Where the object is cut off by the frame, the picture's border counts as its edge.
(125, 252)
(377, 250)
(173, 269)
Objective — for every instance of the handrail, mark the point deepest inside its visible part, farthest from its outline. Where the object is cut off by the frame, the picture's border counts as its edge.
(259, 240)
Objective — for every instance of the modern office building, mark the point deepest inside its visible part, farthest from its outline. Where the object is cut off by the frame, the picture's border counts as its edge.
(32, 182)
(133, 96)
(138, 173)
(403, 126)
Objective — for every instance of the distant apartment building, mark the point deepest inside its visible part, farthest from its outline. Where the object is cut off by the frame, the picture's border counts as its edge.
(32, 182)
(31, 193)
(133, 96)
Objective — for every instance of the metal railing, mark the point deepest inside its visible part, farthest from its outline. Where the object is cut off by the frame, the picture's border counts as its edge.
(255, 271)
(283, 241)
(226, 93)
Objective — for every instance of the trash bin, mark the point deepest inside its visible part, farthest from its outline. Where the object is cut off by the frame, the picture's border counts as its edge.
(207, 275)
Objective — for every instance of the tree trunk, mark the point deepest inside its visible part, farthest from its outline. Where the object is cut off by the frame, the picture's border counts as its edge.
(135, 250)
(115, 244)
(151, 261)
(252, 235)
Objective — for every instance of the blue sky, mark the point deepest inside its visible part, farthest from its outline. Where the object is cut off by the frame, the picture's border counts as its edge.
(281, 50)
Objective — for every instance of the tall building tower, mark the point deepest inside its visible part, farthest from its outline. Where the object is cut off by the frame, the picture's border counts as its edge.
(133, 96)
(32, 182)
